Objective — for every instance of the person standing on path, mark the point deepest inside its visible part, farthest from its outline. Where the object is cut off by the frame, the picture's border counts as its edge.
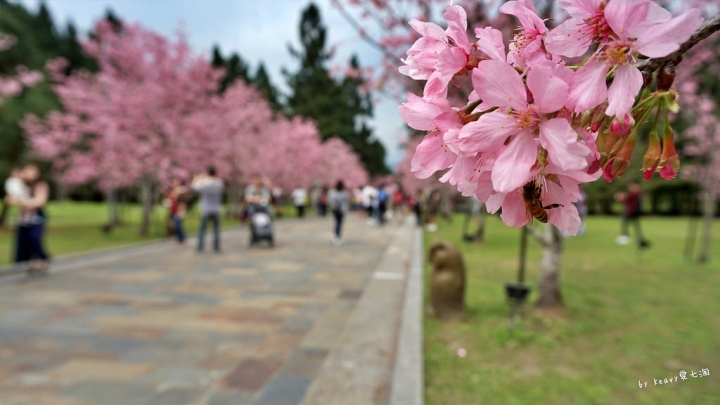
(382, 202)
(339, 202)
(178, 208)
(31, 224)
(300, 196)
(632, 200)
(210, 188)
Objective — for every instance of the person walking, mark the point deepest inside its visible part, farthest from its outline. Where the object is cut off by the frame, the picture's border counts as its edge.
(300, 196)
(258, 192)
(31, 224)
(632, 201)
(178, 208)
(382, 202)
(339, 203)
(210, 188)
(322, 205)
(369, 199)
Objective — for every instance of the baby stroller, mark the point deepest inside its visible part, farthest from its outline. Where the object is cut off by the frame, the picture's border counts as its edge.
(260, 224)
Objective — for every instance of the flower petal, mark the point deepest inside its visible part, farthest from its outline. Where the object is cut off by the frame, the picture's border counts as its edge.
(428, 29)
(565, 218)
(588, 87)
(561, 142)
(499, 85)
(513, 166)
(457, 25)
(623, 90)
(625, 16)
(528, 19)
(514, 210)
(487, 133)
(419, 113)
(580, 8)
(663, 39)
(490, 42)
(549, 93)
(430, 156)
(566, 39)
(450, 62)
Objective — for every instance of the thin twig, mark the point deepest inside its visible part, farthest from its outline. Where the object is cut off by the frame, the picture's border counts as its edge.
(361, 31)
(537, 235)
(708, 28)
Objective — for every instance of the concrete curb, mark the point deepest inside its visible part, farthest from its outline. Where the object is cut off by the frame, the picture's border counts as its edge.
(408, 376)
(360, 368)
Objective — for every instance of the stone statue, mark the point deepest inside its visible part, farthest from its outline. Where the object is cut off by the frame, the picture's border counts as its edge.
(447, 283)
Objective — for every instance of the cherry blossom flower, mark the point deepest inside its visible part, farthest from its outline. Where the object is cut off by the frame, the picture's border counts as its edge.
(519, 128)
(623, 29)
(527, 46)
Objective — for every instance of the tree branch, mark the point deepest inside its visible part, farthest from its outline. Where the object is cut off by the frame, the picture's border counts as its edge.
(538, 235)
(361, 31)
(708, 28)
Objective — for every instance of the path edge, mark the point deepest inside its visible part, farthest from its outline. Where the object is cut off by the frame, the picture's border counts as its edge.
(408, 375)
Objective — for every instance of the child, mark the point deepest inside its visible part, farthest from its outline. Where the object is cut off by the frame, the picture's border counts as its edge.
(18, 192)
(15, 187)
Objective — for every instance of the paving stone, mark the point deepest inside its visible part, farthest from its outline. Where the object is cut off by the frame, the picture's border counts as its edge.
(230, 397)
(82, 370)
(305, 362)
(251, 374)
(284, 389)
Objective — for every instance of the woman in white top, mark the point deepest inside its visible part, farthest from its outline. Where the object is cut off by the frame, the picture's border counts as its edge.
(299, 196)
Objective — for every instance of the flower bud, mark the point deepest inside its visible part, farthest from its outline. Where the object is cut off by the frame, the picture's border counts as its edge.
(618, 164)
(665, 77)
(652, 156)
(623, 128)
(669, 161)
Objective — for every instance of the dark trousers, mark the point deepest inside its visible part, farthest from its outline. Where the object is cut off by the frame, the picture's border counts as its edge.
(635, 219)
(339, 215)
(382, 210)
(322, 209)
(29, 243)
(215, 219)
(418, 214)
(179, 231)
(300, 210)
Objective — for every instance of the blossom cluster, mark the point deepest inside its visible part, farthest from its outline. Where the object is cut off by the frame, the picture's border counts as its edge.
(535, 117)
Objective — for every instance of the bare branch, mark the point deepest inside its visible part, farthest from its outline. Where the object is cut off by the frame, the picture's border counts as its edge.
(356, 25)
(708, 28)
(537, 234)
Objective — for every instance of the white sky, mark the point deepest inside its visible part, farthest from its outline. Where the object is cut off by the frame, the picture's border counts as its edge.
(257, 30)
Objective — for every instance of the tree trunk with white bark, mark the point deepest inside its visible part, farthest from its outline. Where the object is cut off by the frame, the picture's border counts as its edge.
(549, 285)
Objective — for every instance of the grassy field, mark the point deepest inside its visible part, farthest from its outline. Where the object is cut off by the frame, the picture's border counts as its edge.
(629, 317)
(76, 227)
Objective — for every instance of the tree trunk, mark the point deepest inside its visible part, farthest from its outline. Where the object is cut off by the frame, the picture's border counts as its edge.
(235, 196)
(549, 285)
(482, 216)
(62, 191)
(708, 196)
(111, 196)
(147, 201)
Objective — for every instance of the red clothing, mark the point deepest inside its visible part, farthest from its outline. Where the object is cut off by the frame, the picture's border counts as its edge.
(632, 203)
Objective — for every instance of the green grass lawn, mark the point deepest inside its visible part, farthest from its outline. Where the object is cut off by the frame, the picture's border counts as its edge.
(628, 317)
(76, 227)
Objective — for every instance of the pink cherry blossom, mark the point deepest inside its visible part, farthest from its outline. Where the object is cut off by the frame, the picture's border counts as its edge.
(623, 29)
(518, 128)
(527, 46)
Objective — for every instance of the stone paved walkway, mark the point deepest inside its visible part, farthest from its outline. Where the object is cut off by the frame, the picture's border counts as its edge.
(161, 324)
